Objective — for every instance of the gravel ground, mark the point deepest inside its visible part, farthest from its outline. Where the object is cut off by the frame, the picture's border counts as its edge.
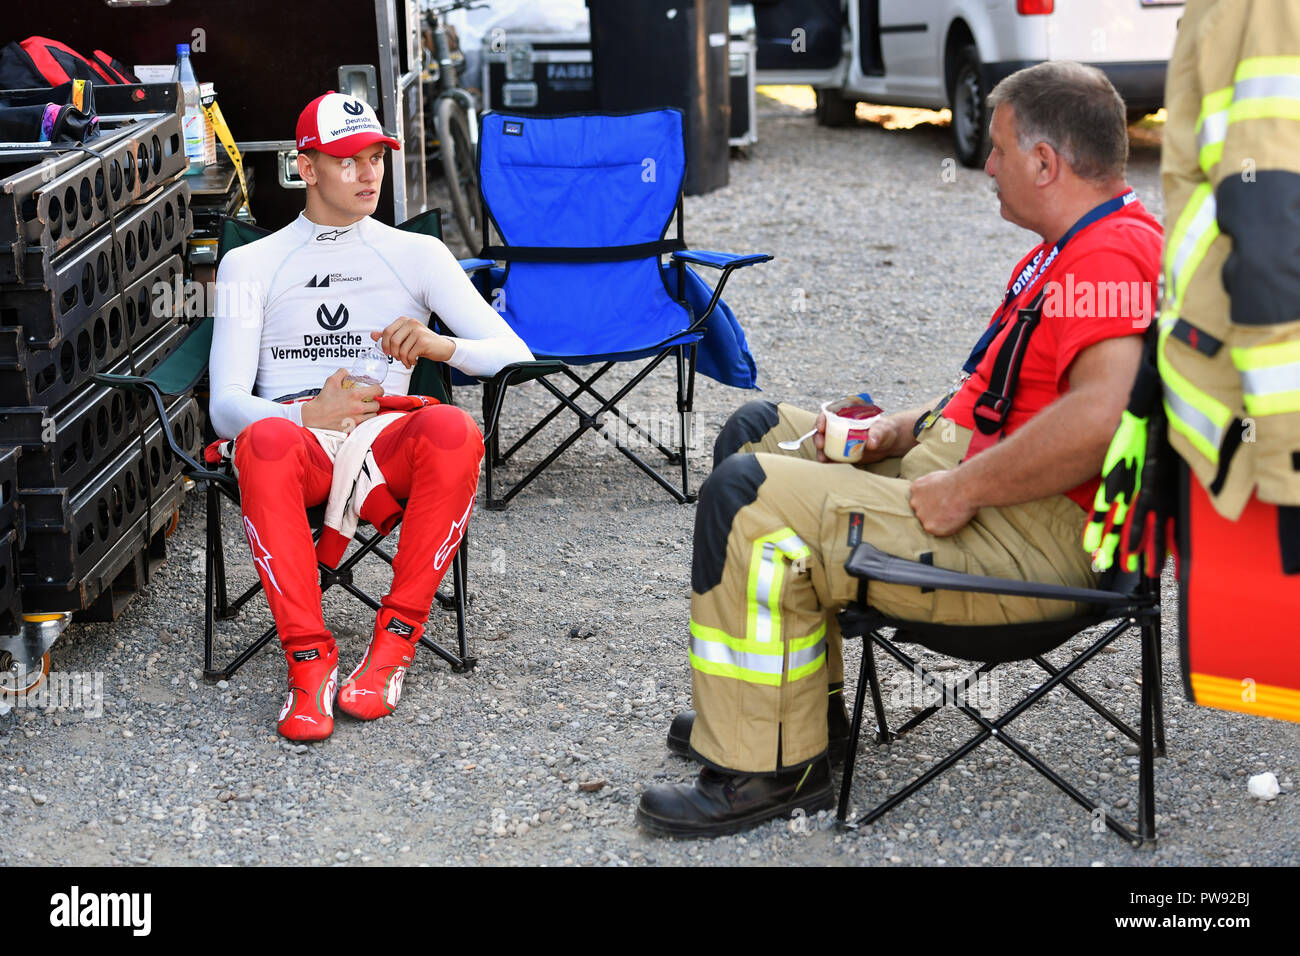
(579, 620)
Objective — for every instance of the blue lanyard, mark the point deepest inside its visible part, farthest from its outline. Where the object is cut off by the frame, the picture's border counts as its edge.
(1035, 270)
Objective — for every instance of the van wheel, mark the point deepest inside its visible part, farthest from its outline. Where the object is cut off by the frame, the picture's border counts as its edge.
(833, 109)
(970, 121)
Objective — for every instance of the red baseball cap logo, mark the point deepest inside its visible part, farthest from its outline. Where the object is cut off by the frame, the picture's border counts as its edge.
(341, 126)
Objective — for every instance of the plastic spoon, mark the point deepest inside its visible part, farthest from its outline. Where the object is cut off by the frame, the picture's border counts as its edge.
(794, 443)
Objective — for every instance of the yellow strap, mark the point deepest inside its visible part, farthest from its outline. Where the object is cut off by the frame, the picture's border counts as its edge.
(228, 141)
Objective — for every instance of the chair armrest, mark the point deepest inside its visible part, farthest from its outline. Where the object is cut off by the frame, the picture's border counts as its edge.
(193, 469)
(720, 260)
(725, 261)
(515, 373)
(869, 562)
(123, 381)
(518, 372)
(475, 265)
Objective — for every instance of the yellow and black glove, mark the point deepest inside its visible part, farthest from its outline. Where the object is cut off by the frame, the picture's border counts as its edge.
(1128, 514)
(1121, 480)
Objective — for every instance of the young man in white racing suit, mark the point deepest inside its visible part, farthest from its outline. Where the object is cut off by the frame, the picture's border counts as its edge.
(299, 306)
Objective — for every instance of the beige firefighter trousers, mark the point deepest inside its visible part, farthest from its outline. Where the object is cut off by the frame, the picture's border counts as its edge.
(773, 530)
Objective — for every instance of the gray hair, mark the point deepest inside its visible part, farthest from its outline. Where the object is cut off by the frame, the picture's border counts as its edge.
(1072, 108)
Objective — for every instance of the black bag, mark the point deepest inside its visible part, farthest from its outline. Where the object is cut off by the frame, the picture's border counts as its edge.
(62, 116)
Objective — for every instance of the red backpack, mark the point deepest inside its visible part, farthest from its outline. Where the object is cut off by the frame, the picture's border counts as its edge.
(40, 61)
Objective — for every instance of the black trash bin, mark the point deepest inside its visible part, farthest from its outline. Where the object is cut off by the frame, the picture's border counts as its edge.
(655, 53)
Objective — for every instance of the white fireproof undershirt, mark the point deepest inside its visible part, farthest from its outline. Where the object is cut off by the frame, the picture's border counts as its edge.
(299, 304)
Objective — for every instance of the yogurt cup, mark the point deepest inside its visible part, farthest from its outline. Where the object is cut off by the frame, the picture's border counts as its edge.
(847, 423)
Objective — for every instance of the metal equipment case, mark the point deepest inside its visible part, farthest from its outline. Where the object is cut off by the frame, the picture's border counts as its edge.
(88, 486)
(268, 60)
(741, 67)
(545, 73)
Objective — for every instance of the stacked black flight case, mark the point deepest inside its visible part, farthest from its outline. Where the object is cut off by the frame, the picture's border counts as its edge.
(91, 261)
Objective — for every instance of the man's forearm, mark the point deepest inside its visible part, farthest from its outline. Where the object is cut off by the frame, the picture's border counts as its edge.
(904, 422)
(1056, 450)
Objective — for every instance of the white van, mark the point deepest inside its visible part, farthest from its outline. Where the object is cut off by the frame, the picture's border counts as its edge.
(950, 53)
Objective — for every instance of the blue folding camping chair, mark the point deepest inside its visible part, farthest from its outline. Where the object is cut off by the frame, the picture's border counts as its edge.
(582, 205)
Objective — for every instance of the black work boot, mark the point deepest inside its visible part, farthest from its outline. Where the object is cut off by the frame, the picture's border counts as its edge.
(719, 803)
(837, 724)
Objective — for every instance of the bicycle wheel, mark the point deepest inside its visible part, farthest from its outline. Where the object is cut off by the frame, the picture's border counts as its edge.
(459, 165)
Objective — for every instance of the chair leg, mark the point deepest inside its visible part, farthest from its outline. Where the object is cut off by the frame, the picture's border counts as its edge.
(229, 670)
(589, 420)
(489, 453)
(225, 609)
(869, 656)
(684, 415)
(1111, 717)
(489, 397)
(1152, 588)
(493, 400)
(217, 605)
(219, 553)
(210, 552)
(855, 730)
(867, 679)
(1150, 721)
(460, 581)
(460, 662)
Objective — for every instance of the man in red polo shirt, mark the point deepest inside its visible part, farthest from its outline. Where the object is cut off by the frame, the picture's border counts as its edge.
(1009, 499)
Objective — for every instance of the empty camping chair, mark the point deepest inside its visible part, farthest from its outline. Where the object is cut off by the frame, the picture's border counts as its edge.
(583, 206)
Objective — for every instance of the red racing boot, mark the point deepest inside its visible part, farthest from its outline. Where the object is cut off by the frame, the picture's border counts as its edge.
(308, 711)
(373, 689)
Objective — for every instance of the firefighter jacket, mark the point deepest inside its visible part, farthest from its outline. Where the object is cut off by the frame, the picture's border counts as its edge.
(1229, 336)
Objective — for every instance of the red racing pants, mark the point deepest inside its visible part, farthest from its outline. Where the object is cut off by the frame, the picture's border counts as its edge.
(430, 459)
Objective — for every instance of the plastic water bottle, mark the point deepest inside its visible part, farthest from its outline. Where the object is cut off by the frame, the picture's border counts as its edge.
(195, 125)
(370, 368)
